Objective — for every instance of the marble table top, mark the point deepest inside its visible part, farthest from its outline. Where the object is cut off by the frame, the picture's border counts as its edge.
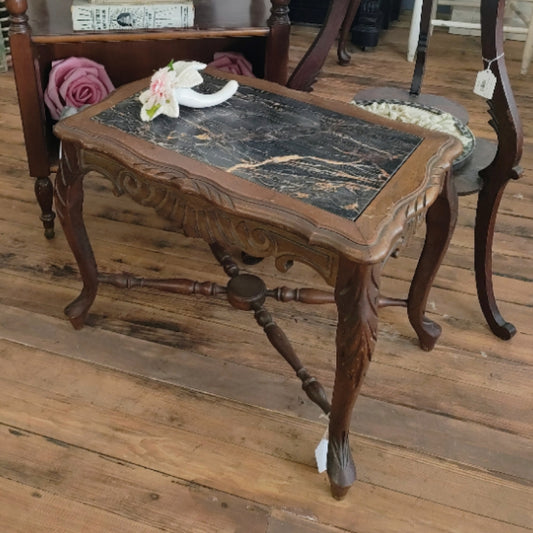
(335, 162)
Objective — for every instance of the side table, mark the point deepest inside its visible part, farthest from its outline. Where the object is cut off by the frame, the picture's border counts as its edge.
(274, 172)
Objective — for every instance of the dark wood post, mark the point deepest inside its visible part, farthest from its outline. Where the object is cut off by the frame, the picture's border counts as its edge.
(504, 167)
(277, 47)
(422, 48)
(31, 108)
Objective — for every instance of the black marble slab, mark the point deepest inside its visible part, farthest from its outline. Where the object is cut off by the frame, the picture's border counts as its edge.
(332, 161)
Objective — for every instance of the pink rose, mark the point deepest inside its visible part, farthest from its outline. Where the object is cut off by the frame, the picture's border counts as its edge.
(233, 62)
(75, 82)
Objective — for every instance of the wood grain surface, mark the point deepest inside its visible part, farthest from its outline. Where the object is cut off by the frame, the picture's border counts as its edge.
(173, 413)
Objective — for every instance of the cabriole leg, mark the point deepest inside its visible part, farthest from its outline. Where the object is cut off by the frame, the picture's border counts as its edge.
(69, 205)
(487, 210)
(356, 296)
(440, 223)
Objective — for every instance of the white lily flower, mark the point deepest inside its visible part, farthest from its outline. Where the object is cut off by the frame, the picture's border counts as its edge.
(187, 74)
(159, 98)
(173, 84)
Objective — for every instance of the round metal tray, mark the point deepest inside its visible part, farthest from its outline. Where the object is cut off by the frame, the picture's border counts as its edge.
(469, 140)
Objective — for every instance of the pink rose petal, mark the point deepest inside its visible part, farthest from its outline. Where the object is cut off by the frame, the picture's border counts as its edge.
(75, 81)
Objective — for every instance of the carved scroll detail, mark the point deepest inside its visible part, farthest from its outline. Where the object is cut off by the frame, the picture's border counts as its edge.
(502, 107)
(360, 333)
(200, 210)
(414, 212)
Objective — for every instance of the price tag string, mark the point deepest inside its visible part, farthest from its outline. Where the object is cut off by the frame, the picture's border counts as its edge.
(486, 80)
(490, 61)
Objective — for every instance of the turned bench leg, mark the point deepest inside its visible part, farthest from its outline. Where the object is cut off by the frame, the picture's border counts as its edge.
(44, 192)
(356, 296)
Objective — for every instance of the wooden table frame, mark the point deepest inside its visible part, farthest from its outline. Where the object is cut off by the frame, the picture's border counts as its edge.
(226, 210)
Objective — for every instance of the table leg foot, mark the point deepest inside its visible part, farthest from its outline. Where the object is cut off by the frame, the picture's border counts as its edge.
(428, 332)
(338, 492)
(78, 309)
(500, 327)
(341, 468)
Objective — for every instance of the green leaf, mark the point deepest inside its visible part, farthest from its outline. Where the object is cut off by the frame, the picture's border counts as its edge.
(151, 112)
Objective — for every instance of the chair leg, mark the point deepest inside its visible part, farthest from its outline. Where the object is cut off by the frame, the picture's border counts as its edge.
(307, 70)
(528, 48)
(342, 53)
(414, 30)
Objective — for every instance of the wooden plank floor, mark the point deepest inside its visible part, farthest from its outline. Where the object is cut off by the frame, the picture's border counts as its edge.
(172, 413)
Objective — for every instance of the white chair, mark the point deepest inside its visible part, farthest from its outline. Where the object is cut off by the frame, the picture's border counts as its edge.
(528, 45)
(514, 6)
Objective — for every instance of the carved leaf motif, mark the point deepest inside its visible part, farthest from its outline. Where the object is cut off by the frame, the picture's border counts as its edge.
(201, 210)
(63, 195)
(339, 455)
(358, 301)
(414, 212)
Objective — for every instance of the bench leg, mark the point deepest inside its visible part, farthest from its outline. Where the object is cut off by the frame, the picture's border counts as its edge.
(356, 296)
(69, 204)
(44, 192)
(440, 222)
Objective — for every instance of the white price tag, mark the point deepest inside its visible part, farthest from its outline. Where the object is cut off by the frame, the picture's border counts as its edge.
(321, 455)
(485, 84)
